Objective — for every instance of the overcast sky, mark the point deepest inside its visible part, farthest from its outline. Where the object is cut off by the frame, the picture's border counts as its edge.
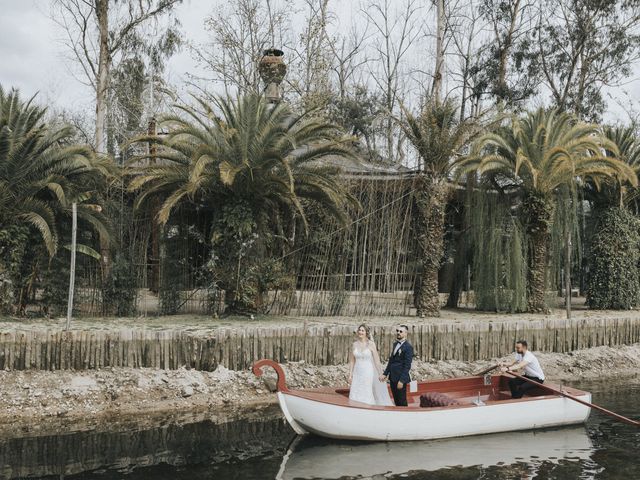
(32, 56)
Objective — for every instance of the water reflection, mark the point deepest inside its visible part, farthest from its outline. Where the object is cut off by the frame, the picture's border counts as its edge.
(172, 446)
(311, 458)
(262, 447)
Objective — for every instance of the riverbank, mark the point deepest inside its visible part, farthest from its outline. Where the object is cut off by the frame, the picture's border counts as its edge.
(41, 402)
(207, 323)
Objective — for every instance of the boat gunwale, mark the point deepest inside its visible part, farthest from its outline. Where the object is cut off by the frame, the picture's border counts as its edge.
(333, 397)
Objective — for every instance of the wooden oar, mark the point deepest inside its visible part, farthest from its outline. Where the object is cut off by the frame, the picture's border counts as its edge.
(486, 370)
(571, 397)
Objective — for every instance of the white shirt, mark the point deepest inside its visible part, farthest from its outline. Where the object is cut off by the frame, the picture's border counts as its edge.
(398, 346)
(532, 369)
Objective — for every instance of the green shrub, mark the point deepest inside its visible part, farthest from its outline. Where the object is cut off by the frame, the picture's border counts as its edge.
(119, 291)
(55, 284)
(614, 281)
(13, 244)
(171, 295)
(269, 275)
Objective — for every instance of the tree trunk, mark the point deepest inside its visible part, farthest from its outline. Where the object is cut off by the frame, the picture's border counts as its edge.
(538, 210)
(537, 281)
(437, 74)
(505, 48)
(429, 225)
(102, 85)
(102, 82)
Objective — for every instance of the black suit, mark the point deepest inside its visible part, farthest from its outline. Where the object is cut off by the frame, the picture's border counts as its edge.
(398, 371)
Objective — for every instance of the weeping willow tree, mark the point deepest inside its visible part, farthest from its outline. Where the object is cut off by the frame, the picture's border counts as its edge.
(539, 154)
(498, 243)
(566, 235)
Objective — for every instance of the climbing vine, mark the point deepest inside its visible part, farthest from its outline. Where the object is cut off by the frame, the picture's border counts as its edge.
(614, 281)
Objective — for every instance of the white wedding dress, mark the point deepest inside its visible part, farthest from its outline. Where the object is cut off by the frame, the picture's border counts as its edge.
(365, 385)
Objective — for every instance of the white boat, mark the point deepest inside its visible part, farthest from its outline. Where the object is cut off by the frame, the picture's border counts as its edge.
(312, 458)
(481, 404)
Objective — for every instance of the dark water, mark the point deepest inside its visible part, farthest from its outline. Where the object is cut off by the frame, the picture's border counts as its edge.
(265, 448)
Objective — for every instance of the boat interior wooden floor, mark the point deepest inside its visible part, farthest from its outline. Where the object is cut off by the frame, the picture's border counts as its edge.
(466, 391)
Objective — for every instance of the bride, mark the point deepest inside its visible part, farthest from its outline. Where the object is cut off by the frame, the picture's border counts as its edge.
(364, 370)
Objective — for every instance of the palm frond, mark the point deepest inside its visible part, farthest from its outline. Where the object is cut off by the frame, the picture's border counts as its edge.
(242, 148)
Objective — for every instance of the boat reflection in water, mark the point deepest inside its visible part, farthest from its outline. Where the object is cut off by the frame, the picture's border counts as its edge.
(312, 457)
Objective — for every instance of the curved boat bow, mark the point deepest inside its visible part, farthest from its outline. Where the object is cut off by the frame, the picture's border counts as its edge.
(281, 384)
(282, 389)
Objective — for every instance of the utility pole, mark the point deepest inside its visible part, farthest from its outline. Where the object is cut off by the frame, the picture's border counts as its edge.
(567, 275)
(154, 284)
(72, 272)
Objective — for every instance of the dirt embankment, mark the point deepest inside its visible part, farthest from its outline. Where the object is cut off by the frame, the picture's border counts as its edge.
(40, 402)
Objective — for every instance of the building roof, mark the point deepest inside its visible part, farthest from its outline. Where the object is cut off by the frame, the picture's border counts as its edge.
(360, 167)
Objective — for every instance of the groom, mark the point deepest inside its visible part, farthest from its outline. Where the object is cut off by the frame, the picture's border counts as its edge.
(397, 370)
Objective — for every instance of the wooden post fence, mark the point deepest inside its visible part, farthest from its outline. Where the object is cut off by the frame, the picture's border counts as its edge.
(41, 348)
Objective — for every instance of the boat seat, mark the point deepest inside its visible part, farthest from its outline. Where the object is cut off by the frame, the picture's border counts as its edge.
(506, 394)
(503, 395)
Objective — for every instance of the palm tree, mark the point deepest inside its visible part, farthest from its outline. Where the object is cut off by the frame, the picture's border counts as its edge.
(245, 154)
(540, 154)
(628, 151)
(42, 172)
(254, 151)
(438, 135)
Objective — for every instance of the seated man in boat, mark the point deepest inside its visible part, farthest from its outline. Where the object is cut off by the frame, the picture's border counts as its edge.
(398, 367)
(528, 361)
